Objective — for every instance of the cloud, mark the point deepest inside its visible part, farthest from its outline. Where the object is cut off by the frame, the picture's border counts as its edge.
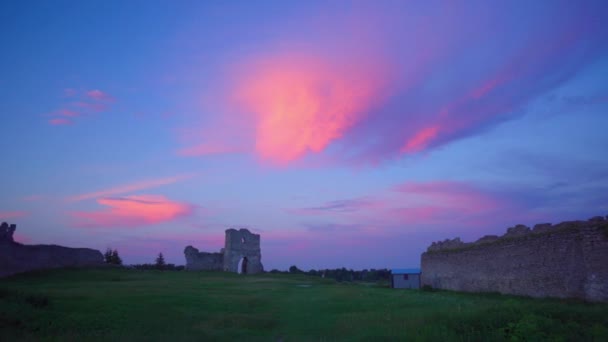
(68, 113)
(406, 84)
(6, 215)
(132, 211)
(60, 122)
(302, 103)
(206, 149)
(126, 188)
(340, 206)
(420, 203)
(98, 95)
(80, 103)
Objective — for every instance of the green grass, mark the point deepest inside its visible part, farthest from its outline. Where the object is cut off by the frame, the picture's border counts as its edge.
(120, 304)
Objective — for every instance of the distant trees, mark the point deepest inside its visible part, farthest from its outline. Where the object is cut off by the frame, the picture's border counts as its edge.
(167, 267)
(160, 261)
(112, 257)
(343, 274)
(294, 269)
(107, 256)
(159, 264)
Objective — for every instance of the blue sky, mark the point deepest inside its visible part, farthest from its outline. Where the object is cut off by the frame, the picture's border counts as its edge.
(346, 133)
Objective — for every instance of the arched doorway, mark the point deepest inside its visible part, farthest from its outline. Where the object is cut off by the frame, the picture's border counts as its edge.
(242, 267)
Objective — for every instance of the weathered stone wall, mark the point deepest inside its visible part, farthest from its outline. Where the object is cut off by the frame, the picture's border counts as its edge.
(203, 261)
(567, 260)
(17, 258)
(240, 244)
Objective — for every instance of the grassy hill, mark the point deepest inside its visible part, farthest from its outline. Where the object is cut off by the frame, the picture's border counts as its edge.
(121, 304)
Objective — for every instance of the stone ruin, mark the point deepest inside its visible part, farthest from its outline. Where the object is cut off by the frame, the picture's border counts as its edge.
(16, 257)
(241, 254)
(566, 260)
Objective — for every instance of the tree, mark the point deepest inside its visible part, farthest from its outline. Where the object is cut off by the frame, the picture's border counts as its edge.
(160, 261)
(107, 256)
(115, 258)
(294, 269)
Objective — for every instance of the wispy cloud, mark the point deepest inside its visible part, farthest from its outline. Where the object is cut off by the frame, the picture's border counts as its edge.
(6, 215)
(206, 149)
(429, 203)
(60, 122)
(98, 95)
(127, 188)
(354, 102)
(80, 103)
(132, 211)
(340, 206)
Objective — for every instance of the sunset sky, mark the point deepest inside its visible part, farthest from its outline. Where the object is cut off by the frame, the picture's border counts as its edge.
(347, 133)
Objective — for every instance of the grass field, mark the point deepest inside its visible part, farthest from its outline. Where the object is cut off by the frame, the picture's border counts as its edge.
(121, 304)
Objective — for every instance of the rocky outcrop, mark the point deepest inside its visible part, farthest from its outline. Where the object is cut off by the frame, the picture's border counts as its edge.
(566, 260)
(16, 257)
(241, 248)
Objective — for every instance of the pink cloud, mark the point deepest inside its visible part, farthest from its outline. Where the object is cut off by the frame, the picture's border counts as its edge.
(68, 113)
(133, 211)
(98, 95)
(60, 122)
(207, 149)
(6, 215)
(414, 203)
(92, 101)
(421, 139)
(126, 188)
(304, 102)
(406, 84)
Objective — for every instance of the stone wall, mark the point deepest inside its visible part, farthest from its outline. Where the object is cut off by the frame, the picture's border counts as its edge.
(239, 244)
(567, 260)
(203, 261)
(17, 258)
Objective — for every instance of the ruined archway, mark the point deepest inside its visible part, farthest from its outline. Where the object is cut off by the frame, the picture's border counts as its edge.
(243, 264)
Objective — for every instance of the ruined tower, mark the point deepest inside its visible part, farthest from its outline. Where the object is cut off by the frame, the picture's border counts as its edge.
(242, 248)
(241, 253)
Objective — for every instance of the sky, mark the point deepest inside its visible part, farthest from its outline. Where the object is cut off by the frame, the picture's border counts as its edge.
(347, 133)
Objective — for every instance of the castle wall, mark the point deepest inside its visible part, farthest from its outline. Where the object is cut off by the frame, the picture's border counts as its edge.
(239, 244)
(17, 258)
(568, 260)
(203, 261)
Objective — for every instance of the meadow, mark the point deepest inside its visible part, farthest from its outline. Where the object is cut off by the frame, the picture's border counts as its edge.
(126, 304)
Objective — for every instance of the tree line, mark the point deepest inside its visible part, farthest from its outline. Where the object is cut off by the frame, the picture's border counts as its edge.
(342, 274)
(111, 256)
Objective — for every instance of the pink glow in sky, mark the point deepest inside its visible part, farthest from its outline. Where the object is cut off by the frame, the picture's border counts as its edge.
(132, 211)
(340, 131)
(303, 103)
(127, 188)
